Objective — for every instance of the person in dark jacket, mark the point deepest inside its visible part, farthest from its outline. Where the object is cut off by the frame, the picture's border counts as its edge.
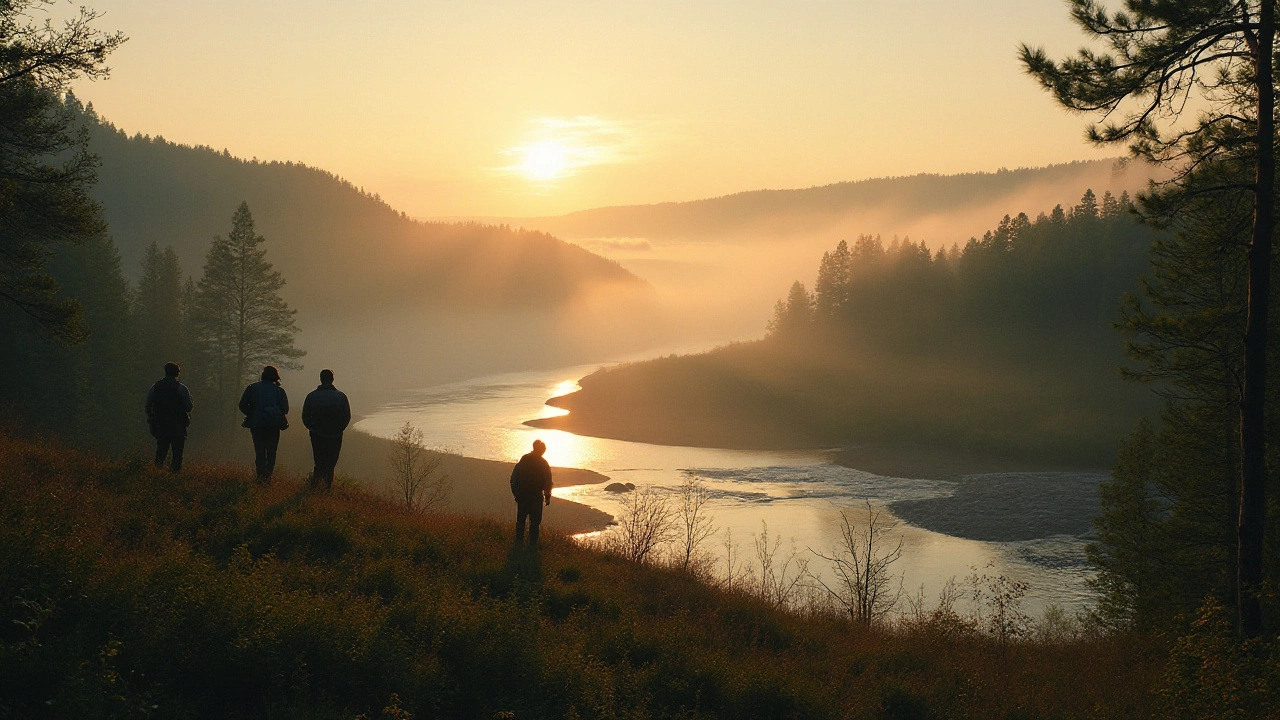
(531, 487)
(168, 414)
(326, 413)
(266, 408)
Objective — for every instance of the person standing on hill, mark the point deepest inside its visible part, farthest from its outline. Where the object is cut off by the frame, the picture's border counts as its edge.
(266, 409)
(168, 415)
(531, 486)
(326, 413)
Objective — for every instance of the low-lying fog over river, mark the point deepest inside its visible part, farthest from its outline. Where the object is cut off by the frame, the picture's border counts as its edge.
(1029, 526)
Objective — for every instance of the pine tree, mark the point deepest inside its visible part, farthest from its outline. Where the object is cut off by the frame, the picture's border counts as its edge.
(159, 310)
(1215, 56)
(239, 322)
(46, 169)
(831, 291)
(794, 316)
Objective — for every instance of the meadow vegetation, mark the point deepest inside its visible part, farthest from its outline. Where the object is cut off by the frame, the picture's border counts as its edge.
(133, 593)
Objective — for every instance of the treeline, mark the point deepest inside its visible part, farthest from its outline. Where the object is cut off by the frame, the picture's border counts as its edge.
(1024, 283)
(221, 326)
(1017, 326)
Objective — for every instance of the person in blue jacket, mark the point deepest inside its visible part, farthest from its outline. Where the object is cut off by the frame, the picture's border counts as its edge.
(266, 409)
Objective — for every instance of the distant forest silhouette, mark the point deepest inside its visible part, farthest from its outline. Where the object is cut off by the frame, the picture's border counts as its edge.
(1005, 345)
(805, 211)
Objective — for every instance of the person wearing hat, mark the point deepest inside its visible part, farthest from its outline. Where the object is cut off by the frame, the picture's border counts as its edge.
(326, 413)
(531, 486)
(266, 409)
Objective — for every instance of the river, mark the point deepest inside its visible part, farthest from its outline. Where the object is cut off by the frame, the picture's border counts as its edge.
(799, 495)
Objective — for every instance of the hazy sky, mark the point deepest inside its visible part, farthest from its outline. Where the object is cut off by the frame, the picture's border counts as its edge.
(530, 107)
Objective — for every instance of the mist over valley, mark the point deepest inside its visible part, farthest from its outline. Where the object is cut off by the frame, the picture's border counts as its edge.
(639, 360)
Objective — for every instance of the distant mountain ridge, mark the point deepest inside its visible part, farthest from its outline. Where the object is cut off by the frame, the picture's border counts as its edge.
(908, 199)
(338, 247)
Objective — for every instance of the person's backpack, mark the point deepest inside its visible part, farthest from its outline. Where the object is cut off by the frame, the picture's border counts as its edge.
(274, 418)
(269, 411)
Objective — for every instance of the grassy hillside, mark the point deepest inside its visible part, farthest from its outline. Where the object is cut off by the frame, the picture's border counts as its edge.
(478, 487)
(131, 593)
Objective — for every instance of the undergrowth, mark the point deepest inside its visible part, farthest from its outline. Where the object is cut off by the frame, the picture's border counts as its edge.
(131, 593)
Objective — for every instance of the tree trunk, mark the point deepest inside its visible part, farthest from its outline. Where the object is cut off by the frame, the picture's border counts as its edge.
(1253, 469)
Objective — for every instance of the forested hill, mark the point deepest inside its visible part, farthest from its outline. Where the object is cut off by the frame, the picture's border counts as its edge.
(340, 248)
(1002, 349)
(898, 204)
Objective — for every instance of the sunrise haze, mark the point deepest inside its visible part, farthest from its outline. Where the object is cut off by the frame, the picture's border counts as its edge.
(536, 108)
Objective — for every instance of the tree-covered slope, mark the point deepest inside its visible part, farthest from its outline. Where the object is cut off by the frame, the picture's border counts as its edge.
(899, 204)
(340, 247)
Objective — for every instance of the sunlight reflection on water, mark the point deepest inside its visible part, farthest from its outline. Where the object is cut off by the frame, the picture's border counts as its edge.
(798, 494)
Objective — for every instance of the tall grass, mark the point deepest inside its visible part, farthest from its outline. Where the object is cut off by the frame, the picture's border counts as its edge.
(128, 592)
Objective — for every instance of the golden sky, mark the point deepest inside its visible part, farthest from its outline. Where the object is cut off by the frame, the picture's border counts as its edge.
(533, 107)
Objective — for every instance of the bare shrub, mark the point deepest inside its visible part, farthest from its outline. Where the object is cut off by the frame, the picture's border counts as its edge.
(694, 525)
(1056, 626)
(777, 583)
(733, 572)
(997, 602)
(647, 521)
(943, 619)
(416, 476)
(863, 588)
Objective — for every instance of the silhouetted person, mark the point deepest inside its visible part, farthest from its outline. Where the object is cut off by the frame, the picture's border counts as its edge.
(326, 413)
(266, 408)
(168, 414)
(531, 486)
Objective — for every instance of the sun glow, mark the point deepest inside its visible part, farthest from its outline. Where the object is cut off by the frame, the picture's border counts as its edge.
(545, 161)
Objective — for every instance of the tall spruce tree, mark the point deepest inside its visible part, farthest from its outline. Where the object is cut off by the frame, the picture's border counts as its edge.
(238, 321)
(831, 290)
(1216, 56)
(45, 165)
(794, 316)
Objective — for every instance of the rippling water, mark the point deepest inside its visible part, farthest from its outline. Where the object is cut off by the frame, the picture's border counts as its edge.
(1029, 526)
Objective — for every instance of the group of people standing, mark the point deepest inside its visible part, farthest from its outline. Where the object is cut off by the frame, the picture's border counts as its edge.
(326, 413)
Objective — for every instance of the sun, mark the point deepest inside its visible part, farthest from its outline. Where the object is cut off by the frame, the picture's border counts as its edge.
(545, 161)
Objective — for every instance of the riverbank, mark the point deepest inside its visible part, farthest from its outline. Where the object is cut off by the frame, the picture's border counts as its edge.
(915, 416)
(480, 487)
